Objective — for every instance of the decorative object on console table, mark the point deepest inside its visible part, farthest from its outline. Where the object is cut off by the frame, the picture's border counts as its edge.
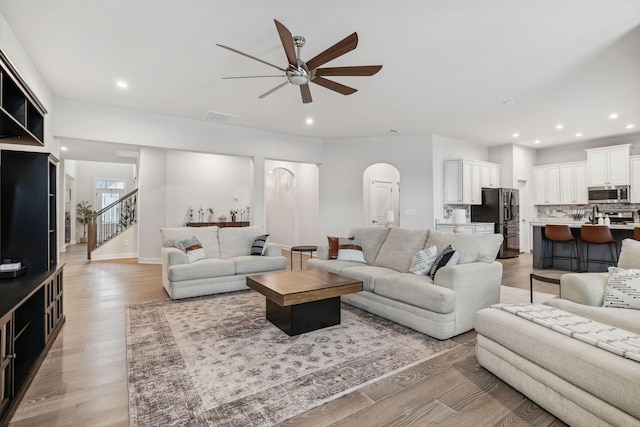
(220, 224)
(211, 218)
(233, 215)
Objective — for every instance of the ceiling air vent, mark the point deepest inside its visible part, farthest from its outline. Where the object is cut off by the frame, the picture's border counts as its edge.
(215, 117)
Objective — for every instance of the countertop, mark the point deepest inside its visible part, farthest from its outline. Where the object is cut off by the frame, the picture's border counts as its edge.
(462, 224)
(575, 224)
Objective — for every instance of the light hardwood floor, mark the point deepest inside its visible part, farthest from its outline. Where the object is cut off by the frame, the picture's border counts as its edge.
(83, 380)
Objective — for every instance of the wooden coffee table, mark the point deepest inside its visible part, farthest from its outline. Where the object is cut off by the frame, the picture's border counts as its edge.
(303, 301)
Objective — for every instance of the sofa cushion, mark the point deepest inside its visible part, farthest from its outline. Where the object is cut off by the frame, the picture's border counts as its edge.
(208, 237)
(259, 245)
(333, 244)
(368, 274)
(398, 248)
(252, 264)
(203, 269)
(471, 247)
(449, 256)
(350, 250)
(237, 241)
(623, 288)
(193, 249)
(331, 265)
(371, 239)
(629, 254)
(423, 260)
(416, 290)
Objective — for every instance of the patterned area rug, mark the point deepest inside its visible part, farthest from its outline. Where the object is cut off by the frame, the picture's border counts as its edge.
(217, 361)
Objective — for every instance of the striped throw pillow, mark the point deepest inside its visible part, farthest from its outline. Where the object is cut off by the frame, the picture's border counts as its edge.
(193, 248)
(259, 245)
(350, 250)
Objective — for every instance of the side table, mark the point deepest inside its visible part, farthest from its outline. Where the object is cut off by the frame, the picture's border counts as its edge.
(302, 249)
(547, 276)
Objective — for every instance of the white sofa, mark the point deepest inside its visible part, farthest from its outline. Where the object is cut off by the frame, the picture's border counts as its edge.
(443, 307)
(227, 260)
(579, 383)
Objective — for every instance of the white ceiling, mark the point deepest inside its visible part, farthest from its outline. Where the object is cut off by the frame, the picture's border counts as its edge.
(448, 65)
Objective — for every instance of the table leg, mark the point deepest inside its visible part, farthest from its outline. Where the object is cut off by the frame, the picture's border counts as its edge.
(531, 287)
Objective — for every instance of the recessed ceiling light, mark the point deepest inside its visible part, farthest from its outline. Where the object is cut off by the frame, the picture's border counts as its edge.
(559, 126)
(122, 84)
(537, 141)
(309, 121)
(63, 148)
(515, 134)
(613, 116)
(629, 126)
(579, 134)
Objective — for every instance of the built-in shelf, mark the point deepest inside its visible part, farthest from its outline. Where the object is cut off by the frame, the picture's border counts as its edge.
(21, 113)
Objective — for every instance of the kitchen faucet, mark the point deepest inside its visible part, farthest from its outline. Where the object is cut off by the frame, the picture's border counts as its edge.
(595, 210)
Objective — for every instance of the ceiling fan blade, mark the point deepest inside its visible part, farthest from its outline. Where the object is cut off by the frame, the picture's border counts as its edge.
(306, 93)
(252, 57)
(287, 43)
(337, 87)
(362, 70)
(343, 46)
(273, 90)
(250, 77)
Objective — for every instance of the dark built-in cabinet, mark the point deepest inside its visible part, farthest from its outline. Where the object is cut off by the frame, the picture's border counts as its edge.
(31, 305)
(21, 114)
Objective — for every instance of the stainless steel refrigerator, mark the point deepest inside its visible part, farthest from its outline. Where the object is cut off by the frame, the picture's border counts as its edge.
(501, 206)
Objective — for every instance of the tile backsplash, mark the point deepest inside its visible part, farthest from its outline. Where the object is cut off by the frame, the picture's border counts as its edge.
(545, 212)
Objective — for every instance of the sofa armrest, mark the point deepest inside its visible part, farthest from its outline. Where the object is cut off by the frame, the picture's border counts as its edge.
(322, 252)
(471, 277)
(273, 249)
(584, 288)
(173, 256)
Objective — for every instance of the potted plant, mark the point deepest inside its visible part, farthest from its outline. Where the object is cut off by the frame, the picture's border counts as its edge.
(233, 215)
(211, 217)
(83, 209)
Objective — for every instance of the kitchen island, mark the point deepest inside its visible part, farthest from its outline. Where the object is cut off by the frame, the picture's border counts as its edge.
(619, 232)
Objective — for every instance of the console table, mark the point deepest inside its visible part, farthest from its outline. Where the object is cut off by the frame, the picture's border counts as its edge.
(219, 224)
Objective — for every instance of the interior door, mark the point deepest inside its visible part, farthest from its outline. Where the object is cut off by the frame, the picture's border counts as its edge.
(380, 201)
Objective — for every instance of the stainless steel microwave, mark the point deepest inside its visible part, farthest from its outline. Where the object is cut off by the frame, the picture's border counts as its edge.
(609, 194)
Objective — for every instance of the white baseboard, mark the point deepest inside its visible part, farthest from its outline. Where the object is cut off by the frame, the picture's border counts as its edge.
(149, 261)
(95, 257)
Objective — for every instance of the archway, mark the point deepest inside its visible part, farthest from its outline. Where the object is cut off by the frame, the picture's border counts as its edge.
(381, 195)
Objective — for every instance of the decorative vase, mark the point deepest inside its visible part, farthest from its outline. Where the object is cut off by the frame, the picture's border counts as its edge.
(233, 217)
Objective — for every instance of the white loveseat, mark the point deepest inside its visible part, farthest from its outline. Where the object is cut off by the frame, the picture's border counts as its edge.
(576, 381)
(227, 260)
(443, 307)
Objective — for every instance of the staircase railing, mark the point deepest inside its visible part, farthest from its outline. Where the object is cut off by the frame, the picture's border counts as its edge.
(112, 220)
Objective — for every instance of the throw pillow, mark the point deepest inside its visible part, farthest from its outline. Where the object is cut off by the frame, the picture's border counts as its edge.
(350, 250)
(193, 249)
(629, 254)
(623, 288)
(449, 256)
(423, 260)
(259, 245)
(333, 246)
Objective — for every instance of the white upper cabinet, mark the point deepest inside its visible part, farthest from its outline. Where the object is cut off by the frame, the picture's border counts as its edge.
(573, 183)
(608, 165)
(635, 180)
(546, 185)
(464, 179)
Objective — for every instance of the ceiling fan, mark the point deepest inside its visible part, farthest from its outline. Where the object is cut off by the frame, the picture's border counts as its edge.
(300, 73)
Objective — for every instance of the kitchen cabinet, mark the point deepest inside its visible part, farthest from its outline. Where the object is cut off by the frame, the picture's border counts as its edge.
(470, 228)
(546, 185)
(464, 180)
(608, 165)
(573, 183)
(635, 179)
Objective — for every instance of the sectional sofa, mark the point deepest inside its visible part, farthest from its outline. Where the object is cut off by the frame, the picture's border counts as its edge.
(441, 307)
(582, 374)
(226, 264)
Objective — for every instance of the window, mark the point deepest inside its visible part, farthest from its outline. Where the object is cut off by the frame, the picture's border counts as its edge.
(108, 192)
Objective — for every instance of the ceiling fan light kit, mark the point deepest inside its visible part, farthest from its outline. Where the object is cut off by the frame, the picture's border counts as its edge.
(300, 73)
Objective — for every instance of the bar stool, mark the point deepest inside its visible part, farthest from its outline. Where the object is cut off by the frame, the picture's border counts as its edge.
(560, 234)
(599, 235)
(636, 233)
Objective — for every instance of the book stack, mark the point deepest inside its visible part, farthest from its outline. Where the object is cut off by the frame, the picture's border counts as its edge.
(10, 269)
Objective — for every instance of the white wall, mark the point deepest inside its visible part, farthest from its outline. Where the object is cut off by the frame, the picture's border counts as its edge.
(575, 152)
(345, 161)
(503, 155)
(448, 148)
(151, 203)
(305, 204)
